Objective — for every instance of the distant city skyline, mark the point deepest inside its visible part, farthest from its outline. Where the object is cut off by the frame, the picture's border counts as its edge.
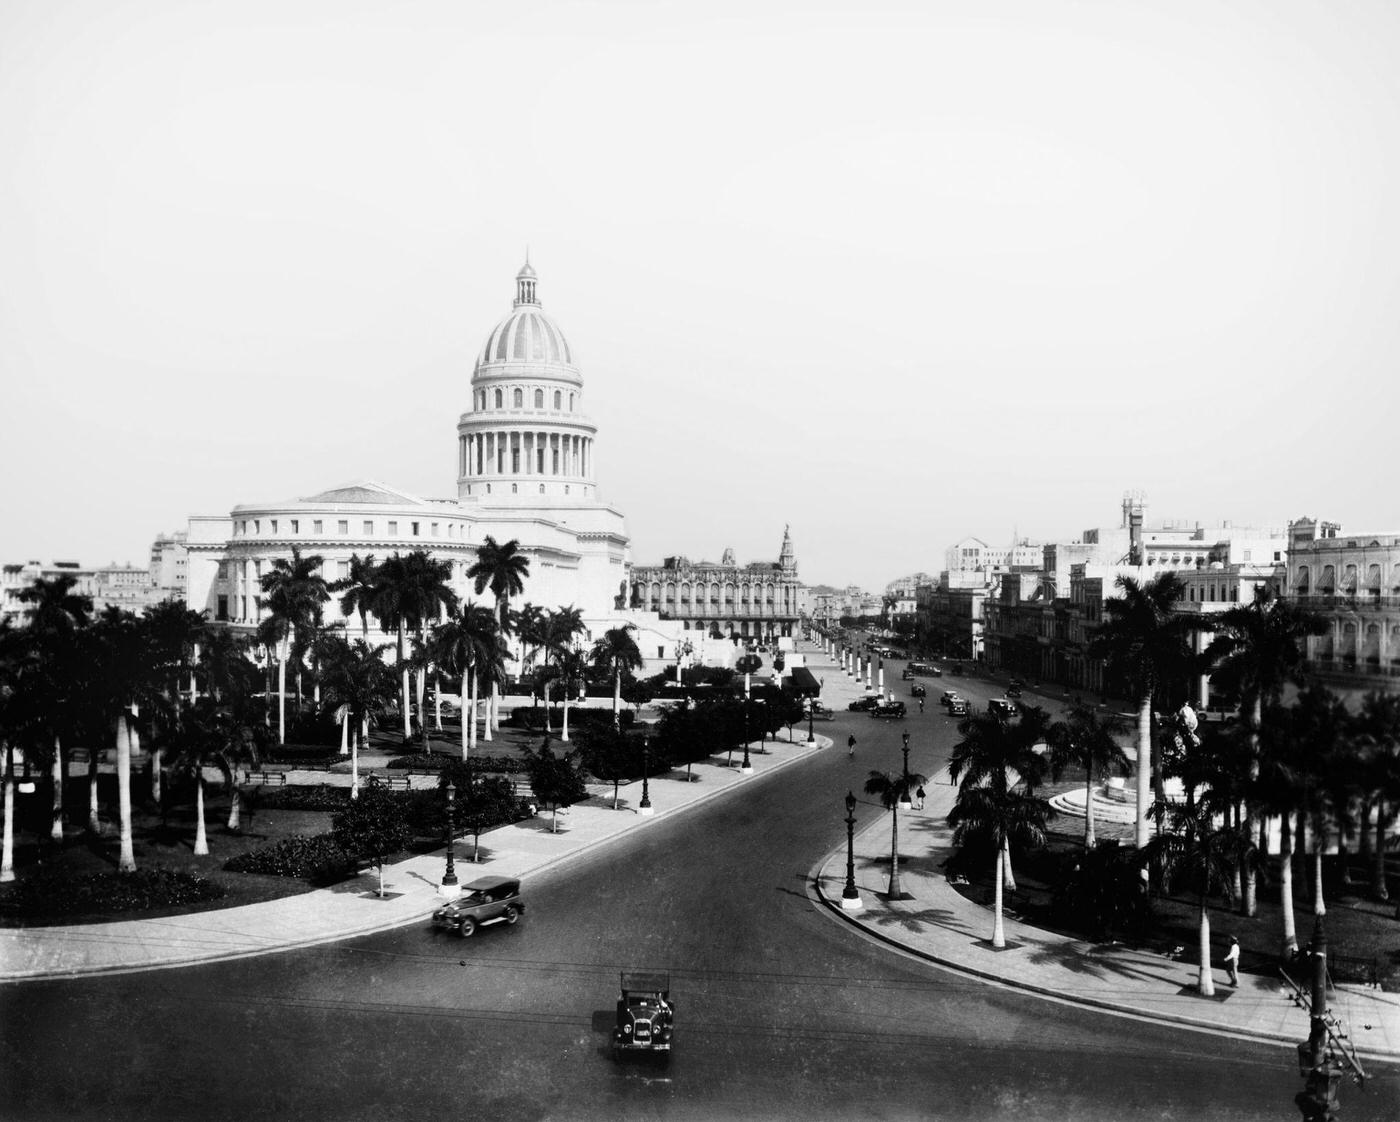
(892, 277)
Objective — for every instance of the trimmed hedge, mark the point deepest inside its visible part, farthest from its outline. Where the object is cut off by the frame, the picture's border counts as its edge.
(311, 754)
(532, 719)
(318, 858)
(437, 761)
(56, 894)
(321, 797)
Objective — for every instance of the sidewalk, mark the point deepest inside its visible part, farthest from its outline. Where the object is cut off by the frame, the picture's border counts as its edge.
(938, 923)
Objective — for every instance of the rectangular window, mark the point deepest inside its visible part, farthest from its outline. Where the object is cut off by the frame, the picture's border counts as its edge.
(257, 525)
(1246, 554)
(342, 527)
(223, 570)
(316, 527)
(221, 613)
(243, 614)
(435, 529)
(369, 528)
(393, 529)
(273, 524)
(415, 528)
(342, 569)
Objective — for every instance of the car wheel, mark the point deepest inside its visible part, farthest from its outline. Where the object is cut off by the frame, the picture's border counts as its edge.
(467, 928)
(511, 914)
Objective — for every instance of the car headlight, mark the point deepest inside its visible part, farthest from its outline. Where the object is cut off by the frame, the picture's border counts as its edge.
(627, 1029)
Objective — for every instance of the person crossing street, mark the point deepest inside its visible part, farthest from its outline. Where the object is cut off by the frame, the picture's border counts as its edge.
(851, 745)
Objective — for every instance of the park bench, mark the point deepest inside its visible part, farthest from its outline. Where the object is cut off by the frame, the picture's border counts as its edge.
(267, 778)
(402, 782)
(1349, 968)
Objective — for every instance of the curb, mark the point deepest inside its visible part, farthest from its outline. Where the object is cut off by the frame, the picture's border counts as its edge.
(1100, 1004)
(98, 970)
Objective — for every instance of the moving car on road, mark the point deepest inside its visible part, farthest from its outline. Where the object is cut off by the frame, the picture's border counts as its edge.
(485, 901)
(949, 696)
(958, 707)
(861, 704)
(925, 669)
(889, 709)
(1001, 707)
(918, 690)
(822, 712)
(645, 1015)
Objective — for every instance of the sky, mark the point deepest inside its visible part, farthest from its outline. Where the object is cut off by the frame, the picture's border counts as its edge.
(893, 274)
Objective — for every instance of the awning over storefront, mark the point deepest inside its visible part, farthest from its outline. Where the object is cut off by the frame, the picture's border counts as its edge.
(803, 682)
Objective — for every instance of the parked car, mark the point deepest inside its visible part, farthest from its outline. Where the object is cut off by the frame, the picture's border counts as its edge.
(889, 709)
(484, 901)
(822, 712)
(918, 690)
(907, 674)
(645, 1015)
(1013, 691)
(861, 704)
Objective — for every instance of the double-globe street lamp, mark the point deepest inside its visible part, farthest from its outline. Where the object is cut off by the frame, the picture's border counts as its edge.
(850, 898)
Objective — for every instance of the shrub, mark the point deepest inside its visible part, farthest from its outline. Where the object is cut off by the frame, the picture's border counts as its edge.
(312, 755)
(320, 797)
(318, 858)
(51, 893)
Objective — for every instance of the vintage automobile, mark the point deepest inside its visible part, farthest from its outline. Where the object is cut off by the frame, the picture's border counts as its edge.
(484, 901)
(1013, 691)
(1001, 707)
(889, 709)
(949, 696)
(918, 690)
(645, 1015)
(822, 712)
(958, 707)
(860, 704)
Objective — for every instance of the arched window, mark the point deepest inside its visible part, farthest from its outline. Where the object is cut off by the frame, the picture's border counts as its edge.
(1328, 582)
(571, 403)
(1300, 581)
(1349, 579)
(499, 399)
(539, 399)
(518, 399)
(558, 397)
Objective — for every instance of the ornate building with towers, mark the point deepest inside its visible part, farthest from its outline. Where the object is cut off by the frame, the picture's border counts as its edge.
(762, 600)
(525, 471)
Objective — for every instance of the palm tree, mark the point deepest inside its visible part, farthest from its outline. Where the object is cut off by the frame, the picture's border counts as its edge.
(359, 590)
(503, 569)
(1192, 848)
(1325, 745)
(999, 818)
(892, 790)
(176, 633)
(293, 592)
(997, 752)
(572, 667)
(615, 654)
(414, 588)
(1144, 644)
(1275, 791)
(531, 624)
(357, 680)
(1082, 740)
(18, 663)
(207, 735)
(1378, 732)
(1257, 650)
(565, 624)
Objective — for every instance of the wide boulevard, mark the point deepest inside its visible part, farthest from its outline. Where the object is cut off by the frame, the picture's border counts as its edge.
(782, 1012)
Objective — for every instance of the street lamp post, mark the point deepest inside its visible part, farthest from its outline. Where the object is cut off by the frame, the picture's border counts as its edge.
(811, 711)
(850, 898)
(904, 802)
(450, 888)
(746, 768)
(644, 808)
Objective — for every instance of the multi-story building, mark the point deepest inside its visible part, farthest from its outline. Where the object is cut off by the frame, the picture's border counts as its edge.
(1352, 580)
(762, 600)
(121, 586)
(169, 556)
(973, 554)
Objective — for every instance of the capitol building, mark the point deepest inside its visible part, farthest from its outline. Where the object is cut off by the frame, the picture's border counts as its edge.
(525, 471)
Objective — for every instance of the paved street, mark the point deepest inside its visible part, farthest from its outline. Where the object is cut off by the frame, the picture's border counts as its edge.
(783, 1010)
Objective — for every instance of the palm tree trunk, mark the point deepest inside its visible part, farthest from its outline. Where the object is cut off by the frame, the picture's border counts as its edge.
(617, 698)
(1205, 976)
(437, 702)
(363, 728)
(486, 711)
(1319, 904)
(1250, 899)
(201, 839)
(94, 822)
(1285, 886)
(281, 699)
(420, 688)
(345, 731)
(156, 777)
(56, 819)
(404, 698)
(126, 862)
(1141, 829)
(564, 733)
(1089, 839)
(235, 803)
(998, 924)
(1378, 885)
(468, 717)
(7, 846)
(1006, 861)
(894, 853)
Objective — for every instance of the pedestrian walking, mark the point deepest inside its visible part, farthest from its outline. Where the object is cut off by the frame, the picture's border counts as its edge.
(1232, 961)
(919, 794)
(851, 745)
(921, 705)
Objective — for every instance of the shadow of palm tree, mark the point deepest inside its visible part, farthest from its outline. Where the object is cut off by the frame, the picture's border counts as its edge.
(1091, 961)
(915, 921)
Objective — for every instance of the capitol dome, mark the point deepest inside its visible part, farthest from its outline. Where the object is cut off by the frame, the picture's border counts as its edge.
(527, 335)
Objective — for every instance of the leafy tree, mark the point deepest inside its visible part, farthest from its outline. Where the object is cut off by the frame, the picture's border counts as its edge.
(555, 780)
(483, 801)
(616, 654)
(1257, 650)
(891, 790)
(611, 756)
(1082, 740)
(374, 826)
(1144, 643)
